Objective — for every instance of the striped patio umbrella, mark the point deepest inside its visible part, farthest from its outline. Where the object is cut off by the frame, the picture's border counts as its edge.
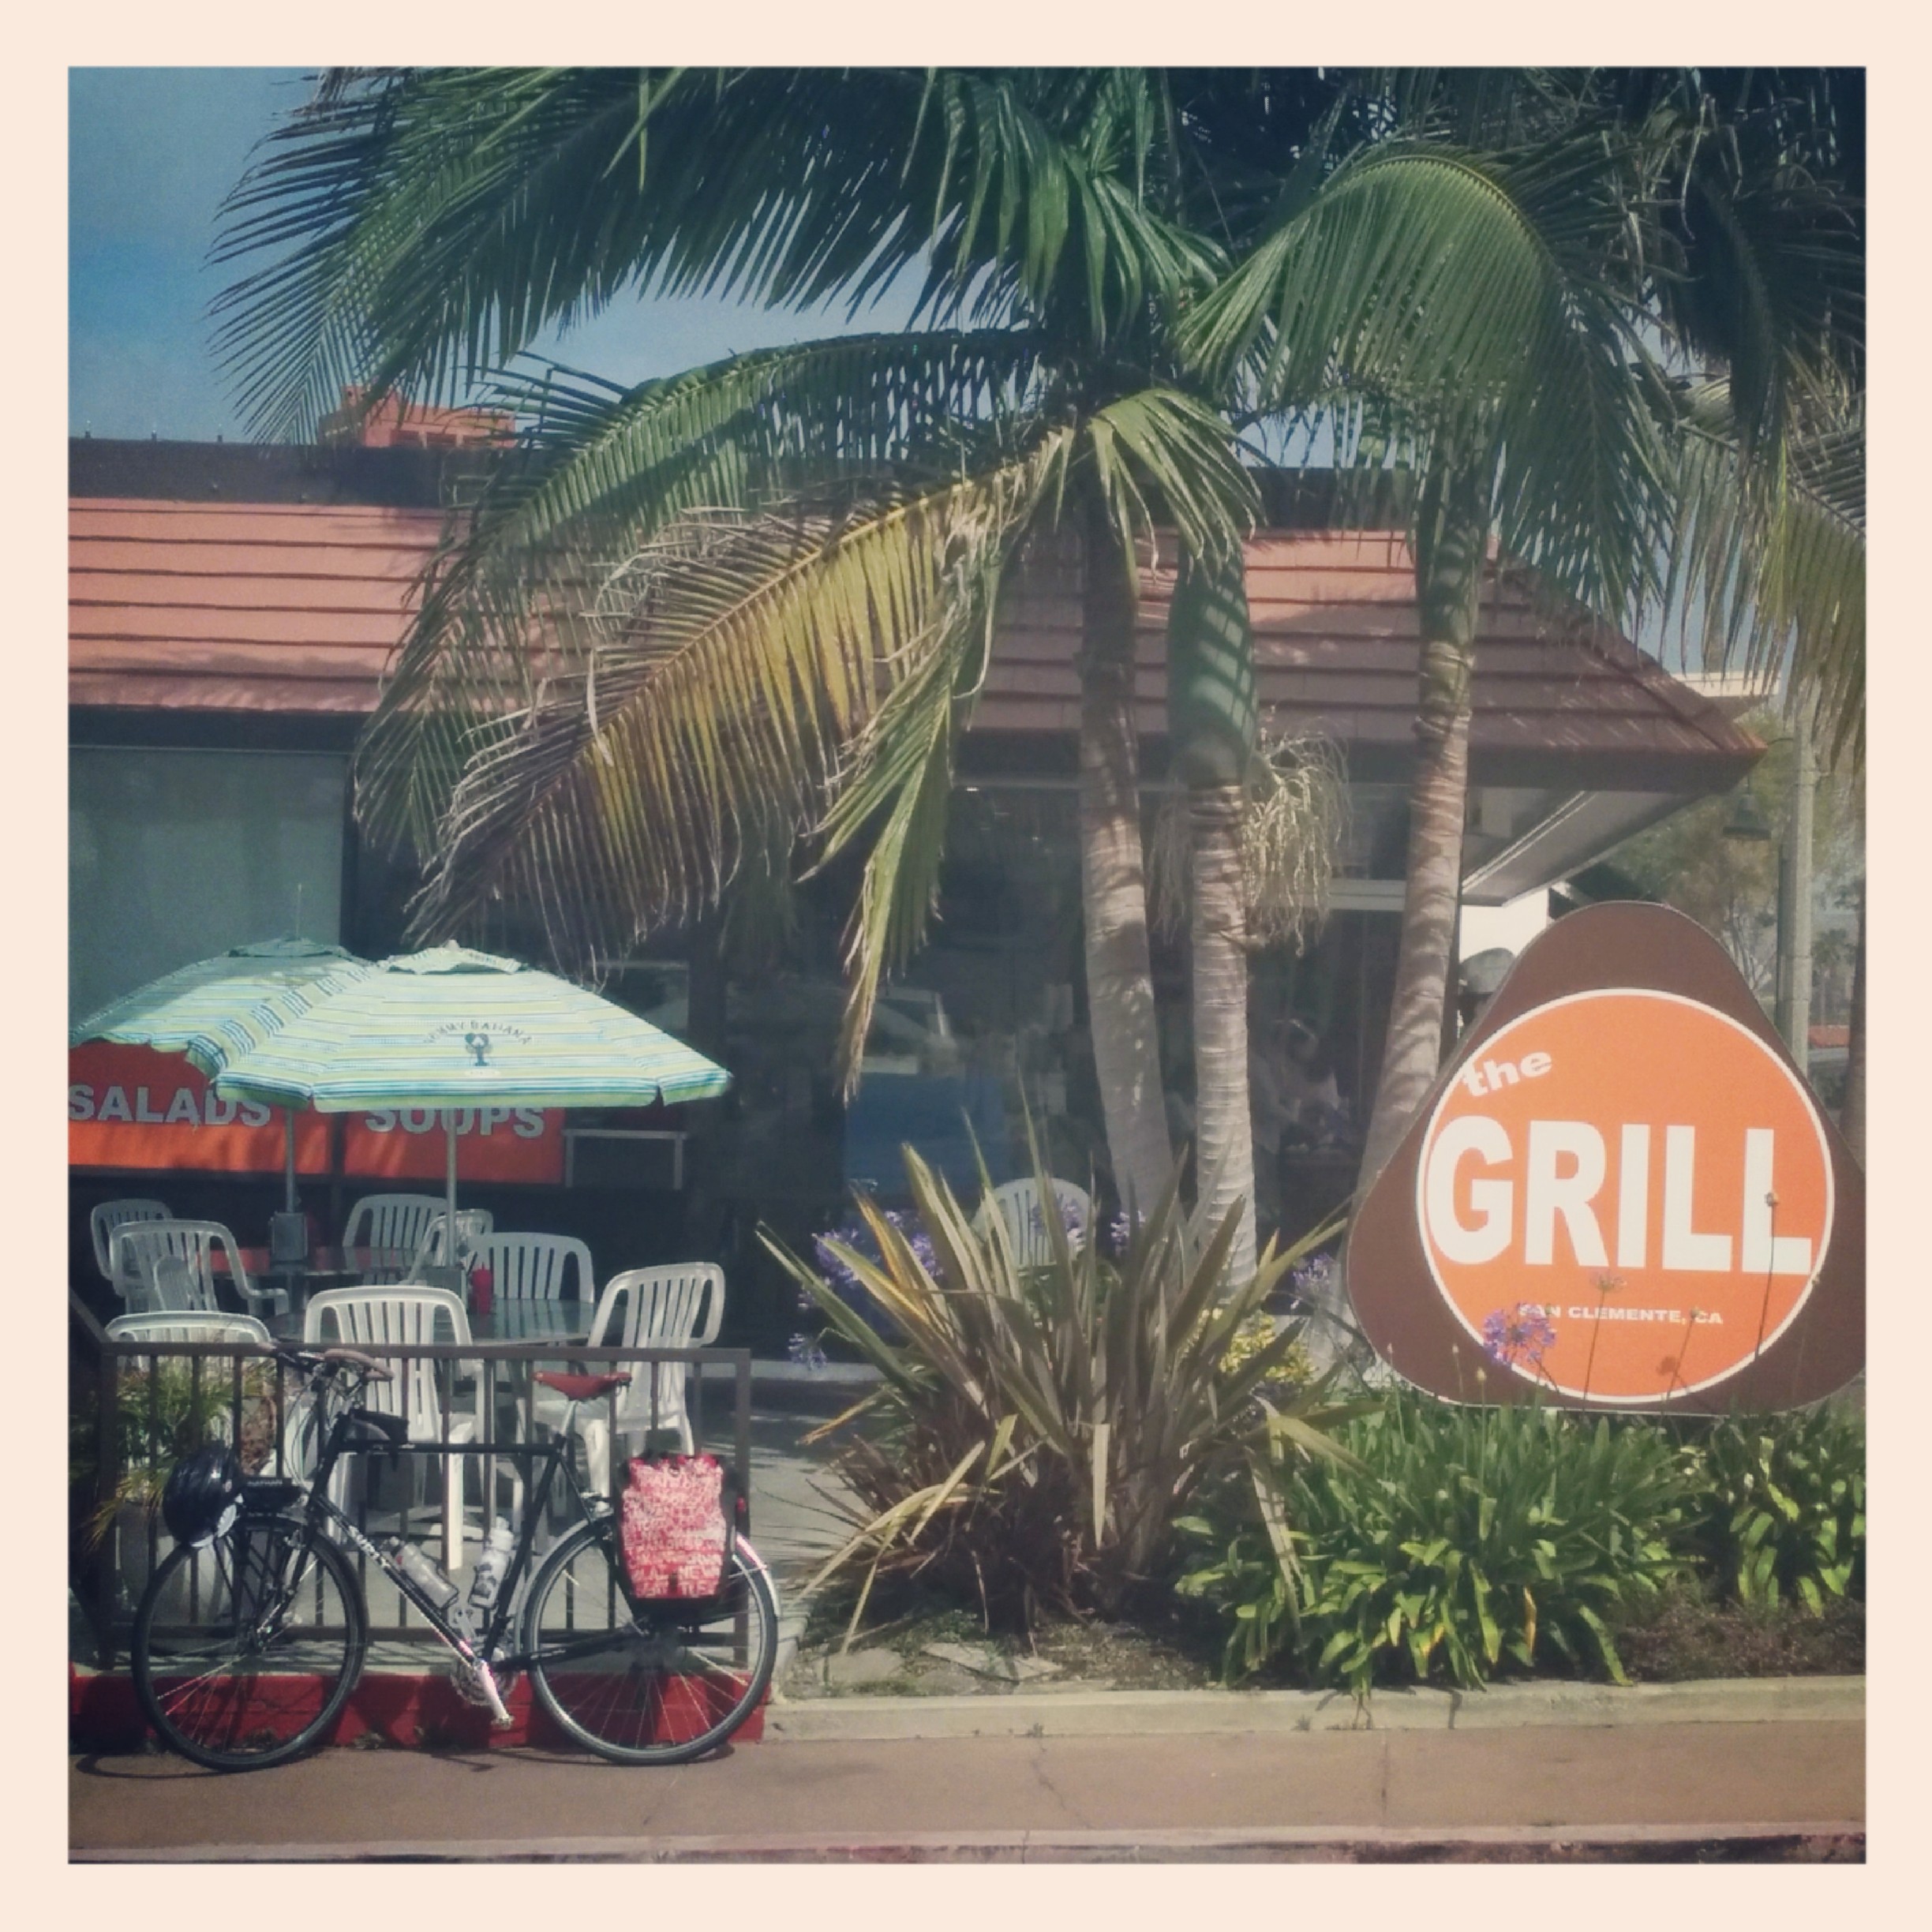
(221, 1007)
(451, 1028)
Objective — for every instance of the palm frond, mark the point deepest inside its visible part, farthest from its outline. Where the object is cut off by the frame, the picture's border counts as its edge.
(728, 433)
(424, 226)
(1769, 570)
(1159, 454)
(1759, 259)
(421, 226)
(607, 470)
(1038, 191)
(903, 769)
(900, 769)
(1474, 293)
(726, 674)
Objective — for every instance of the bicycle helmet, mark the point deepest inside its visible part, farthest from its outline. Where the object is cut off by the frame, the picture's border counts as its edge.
(203, 1495)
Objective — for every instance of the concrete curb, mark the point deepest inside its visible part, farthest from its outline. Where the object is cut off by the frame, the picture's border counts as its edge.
(1833, 1842)
(102, 1715)
(1154, 1713)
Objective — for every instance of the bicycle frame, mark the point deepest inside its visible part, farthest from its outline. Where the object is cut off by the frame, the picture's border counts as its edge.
(348, 1435)
(484, 1647)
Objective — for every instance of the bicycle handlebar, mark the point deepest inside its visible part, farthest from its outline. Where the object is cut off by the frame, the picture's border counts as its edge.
(354, 1358)
(311, 1364)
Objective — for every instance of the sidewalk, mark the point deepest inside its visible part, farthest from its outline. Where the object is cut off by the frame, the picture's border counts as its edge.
(1683, 1772)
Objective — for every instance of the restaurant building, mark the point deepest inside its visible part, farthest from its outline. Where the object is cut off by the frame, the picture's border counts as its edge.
(233, 608)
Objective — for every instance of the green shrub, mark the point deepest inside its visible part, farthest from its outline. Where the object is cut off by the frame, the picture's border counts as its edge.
(1783, 1505)
(1038, 1430)
(1293, 1370)
(1463, 1538)
(165, 1408)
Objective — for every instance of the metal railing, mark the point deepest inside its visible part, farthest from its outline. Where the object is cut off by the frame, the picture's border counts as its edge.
(153, 1402)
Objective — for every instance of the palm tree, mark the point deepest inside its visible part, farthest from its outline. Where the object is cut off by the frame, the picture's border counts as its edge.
(763, 589)
(1520, 280)
(1212, 723)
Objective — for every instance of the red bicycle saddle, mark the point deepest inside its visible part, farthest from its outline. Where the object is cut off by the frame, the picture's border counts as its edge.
(580, 1387)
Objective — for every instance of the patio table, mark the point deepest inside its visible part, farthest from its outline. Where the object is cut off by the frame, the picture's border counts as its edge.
(564, 1322)
(333, 1268)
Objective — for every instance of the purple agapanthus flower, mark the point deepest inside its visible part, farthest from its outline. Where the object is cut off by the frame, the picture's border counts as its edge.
(1308, 1282)
(1070, 1219)
(1518, 1337)
(1307, 1278)
(845, 1283)
(804, 1350)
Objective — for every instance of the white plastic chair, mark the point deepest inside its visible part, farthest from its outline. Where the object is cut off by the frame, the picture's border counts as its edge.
(171, 1285)
(396, 1222)
(169, 1326)
(1018, 1203)
(170, 1265)
(533, 1267)
(472, 1225)
(117, 1214)
(681, 1306)
(404, 1316)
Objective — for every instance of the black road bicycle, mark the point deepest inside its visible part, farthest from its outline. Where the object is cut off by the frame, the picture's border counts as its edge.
(246, 1647)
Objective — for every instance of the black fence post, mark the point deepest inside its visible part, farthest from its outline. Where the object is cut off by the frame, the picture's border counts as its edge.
(742, 1424)
(106, 1478)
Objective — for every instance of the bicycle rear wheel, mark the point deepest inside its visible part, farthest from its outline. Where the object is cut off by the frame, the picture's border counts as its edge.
(663, 1686)
(245, 1649)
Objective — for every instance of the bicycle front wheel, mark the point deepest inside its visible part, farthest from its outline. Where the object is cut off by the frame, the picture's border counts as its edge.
(245, 1649)
(662, 1685)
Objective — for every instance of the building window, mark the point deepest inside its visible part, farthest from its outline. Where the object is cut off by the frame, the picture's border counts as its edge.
(176, 855)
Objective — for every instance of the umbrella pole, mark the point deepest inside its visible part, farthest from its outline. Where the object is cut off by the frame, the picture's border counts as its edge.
(288, 1233)
(452, 1525)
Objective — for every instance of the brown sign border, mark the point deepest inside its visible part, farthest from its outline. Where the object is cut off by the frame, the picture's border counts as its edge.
(1395, 1299)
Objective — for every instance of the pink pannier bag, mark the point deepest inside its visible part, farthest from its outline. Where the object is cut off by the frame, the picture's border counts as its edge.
(677, 1525)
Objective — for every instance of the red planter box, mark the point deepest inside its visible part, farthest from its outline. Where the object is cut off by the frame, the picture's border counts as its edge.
(413, 1712)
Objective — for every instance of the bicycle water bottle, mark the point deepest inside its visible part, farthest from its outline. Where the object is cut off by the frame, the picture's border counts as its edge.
(493, 1565)
(438, 1591)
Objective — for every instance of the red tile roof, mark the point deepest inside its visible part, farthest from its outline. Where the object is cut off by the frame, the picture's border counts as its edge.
(1334, 624)
(295, 607)
(253, 606)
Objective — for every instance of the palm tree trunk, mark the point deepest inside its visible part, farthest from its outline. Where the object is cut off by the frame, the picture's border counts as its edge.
(1451, 539)
(1120, 975)
(1225, 1132)
(1211, 723)
(1852, 1109)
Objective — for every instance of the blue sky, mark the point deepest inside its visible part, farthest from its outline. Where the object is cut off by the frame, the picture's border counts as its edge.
(151, 152)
